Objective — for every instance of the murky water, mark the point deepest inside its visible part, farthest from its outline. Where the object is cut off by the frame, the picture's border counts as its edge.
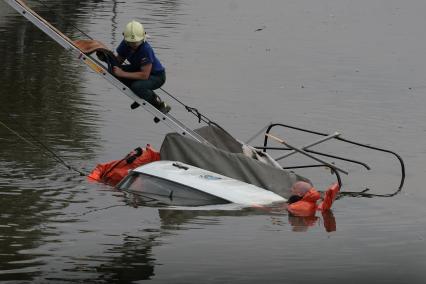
(353, 66)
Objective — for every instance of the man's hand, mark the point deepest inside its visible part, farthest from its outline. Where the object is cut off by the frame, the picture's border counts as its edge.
(118, 71)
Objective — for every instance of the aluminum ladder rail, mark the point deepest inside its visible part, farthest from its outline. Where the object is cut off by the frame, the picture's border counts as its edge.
(68, 44)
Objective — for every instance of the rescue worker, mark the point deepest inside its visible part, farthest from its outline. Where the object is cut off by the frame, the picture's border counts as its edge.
(303, 201)
(145, 72)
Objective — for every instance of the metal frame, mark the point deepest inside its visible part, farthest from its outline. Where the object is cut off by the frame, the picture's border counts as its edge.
(327, 137)
(67, 43)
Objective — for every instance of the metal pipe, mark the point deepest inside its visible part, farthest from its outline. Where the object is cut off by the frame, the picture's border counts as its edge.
(306, 154)
(336, 134)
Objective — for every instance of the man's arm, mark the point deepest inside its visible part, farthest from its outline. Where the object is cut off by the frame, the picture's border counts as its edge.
(120, 59)
(139, 75)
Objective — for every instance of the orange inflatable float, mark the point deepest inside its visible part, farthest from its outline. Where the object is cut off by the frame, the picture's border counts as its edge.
(114, 171)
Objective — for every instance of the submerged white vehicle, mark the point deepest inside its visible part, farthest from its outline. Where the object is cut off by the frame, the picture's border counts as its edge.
(208, 166)
(182, 184)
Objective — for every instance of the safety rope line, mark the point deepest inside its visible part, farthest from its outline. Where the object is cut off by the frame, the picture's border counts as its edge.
(193, 110)
(56, 14)
(46, 151)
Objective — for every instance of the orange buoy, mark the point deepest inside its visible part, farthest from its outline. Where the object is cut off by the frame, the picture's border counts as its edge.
(114, 171)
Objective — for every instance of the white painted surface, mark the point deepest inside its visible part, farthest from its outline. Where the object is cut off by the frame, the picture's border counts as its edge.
(218, 185)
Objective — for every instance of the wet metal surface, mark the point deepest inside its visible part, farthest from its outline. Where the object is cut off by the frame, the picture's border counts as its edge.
(356, 67)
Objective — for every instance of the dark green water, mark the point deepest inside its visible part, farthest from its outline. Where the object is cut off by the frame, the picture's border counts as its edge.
(352, 66)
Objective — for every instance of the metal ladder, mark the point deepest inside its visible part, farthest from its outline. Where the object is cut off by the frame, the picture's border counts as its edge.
(68, 44)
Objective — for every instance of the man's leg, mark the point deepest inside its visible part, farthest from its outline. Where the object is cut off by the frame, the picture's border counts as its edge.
(144, 89)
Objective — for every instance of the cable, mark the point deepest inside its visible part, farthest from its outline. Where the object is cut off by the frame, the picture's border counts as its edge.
(193, 110)
(41, 146)
(53, 13)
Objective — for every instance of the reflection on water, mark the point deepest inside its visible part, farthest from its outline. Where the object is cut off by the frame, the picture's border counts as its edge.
(302, 224)
(40, 93)
(133, 261)
(171, 217)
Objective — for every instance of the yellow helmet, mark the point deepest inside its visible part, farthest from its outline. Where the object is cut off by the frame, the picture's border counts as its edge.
(134, 32)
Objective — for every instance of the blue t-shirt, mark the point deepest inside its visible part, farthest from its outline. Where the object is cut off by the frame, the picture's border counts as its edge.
(143, 55)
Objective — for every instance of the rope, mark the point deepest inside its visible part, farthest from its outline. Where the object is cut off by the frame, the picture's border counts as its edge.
(55, 14)
(193, 110)
(46, 151)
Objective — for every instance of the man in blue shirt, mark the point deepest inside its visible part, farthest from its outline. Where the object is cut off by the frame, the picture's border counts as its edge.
(144, 73)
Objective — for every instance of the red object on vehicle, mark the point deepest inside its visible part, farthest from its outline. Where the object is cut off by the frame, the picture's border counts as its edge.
(308, 204)
(114, 171)
(329, 197)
